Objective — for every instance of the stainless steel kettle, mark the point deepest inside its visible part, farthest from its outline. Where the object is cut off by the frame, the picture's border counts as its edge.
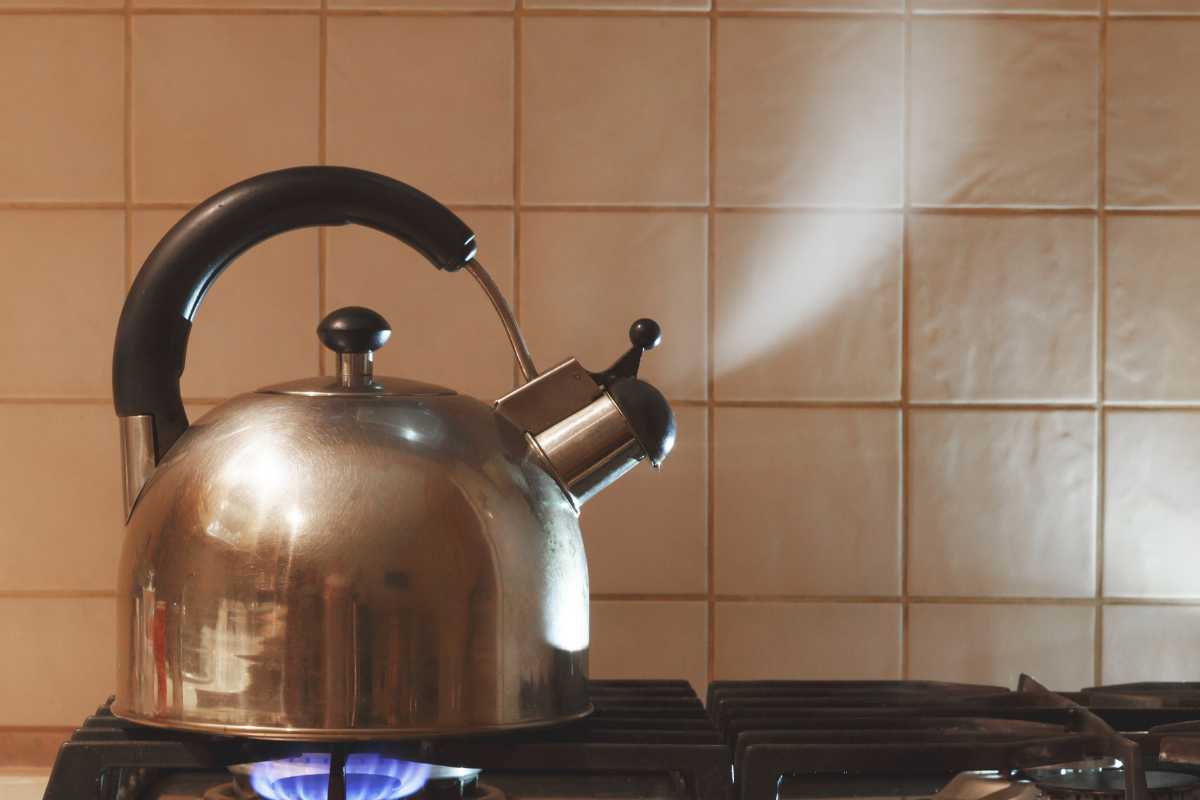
(355, 556)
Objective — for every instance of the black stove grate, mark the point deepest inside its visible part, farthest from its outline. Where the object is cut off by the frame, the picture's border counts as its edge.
(833, 733)
(638, 726)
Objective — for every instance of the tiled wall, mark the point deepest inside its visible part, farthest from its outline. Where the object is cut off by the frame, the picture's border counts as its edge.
(927, 271)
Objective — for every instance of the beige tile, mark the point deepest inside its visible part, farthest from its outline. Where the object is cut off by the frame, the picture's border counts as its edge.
(55, 452)
(1003, 308)
(1117, 7)
(1002, 503)
(426, 5)
(807, 501)
(1004, 111)
(444, 330)
(227, 4)
(810, 5)
(1151, 503)
(622, 5)
(88, 5)
(585, 277)
(24, 748)
(69, 645)
(68, 264)
(1151, 113)
(1089, 7)
(809, 641)
(1150, 643)
(427, 101)
(63, 135)
(220, 98)
(807, 306)
(257, 325)
(648, 533)
(995, 644)
(650, 640)
(1153, 293)
(615, 110)
(809, 111)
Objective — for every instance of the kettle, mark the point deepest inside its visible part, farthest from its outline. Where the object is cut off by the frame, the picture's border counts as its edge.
(356, 556)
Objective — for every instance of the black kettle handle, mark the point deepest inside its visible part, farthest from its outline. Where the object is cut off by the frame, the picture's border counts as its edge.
(152, 335)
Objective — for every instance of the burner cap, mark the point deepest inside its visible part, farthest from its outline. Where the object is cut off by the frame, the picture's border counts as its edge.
(1106, 781)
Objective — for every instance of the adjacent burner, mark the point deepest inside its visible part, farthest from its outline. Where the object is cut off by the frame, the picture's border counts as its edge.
(1145, 695)
(456, 783)
(227, 791)
(1093, 780)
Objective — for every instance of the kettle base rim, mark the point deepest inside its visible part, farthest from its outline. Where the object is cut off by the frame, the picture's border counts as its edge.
(273, 733)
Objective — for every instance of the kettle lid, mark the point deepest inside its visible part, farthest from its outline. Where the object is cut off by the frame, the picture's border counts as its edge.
(354, 333)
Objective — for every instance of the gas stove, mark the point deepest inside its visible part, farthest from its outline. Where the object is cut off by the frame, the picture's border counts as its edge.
(752, 740)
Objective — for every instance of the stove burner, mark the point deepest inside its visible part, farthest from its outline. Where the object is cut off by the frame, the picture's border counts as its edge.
(367, 777)
(1105, 779)
(436, 788)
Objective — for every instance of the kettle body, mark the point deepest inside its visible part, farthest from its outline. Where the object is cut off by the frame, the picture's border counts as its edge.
(350, 556)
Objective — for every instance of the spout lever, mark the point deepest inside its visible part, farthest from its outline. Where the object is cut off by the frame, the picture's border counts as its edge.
(644, 334)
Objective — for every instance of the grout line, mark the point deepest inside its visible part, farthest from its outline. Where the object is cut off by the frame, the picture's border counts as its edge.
(603, 13)
(1186, 602)
(57, 594)
(322, 158)
(1150, 601)
(127, 144)
(416, 12)
(1004, 14)
(62, 205)
(1152, 211)
(618, 208)
(518, 162)
(41, 11)
(63, 730)
(226, 11)
(992, 406)
(974, 600)
(822, 13)
(817, 599)
(1101, 295)
(905, 345)
(826, 13)
(815, 405)
(858, 404)
(710, 354)
(614, 208)
(57, 401)
(899, 599)
(627, 597)
(1024, 15)
(1154, 15)
(1004, 211)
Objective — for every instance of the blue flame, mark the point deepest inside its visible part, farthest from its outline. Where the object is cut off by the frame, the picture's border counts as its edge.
(368, 777)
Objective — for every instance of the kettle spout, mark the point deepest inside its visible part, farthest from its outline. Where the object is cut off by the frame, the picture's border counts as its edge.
(137, 456)
(591, 428)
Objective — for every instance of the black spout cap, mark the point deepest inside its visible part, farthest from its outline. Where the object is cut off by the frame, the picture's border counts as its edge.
(648, 414)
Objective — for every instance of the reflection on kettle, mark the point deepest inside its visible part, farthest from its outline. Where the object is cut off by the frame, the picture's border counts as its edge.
(356, 556)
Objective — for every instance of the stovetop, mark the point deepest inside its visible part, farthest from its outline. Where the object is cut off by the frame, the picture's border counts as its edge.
(752, 740)
(644, 738)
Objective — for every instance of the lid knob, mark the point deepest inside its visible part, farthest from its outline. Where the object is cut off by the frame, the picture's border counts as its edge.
(354, 329)
(354, 333)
